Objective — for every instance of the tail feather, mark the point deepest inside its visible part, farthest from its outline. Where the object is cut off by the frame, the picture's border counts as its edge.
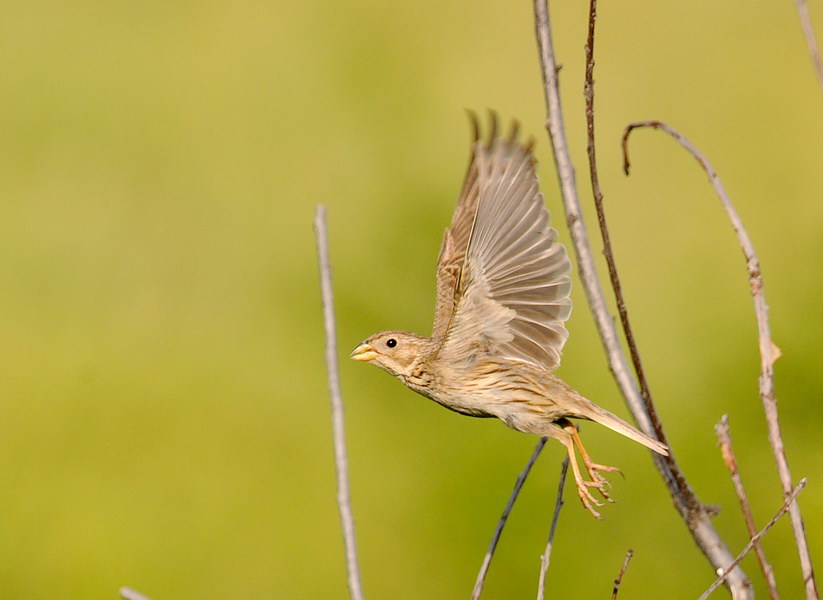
(615, 423)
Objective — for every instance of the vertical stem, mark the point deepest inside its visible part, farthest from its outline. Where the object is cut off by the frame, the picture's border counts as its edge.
(338, 424)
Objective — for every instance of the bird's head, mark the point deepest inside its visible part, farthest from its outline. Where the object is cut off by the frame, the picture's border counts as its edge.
(392, 351)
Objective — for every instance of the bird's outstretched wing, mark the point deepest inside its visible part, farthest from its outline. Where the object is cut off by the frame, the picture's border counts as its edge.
(502, 280)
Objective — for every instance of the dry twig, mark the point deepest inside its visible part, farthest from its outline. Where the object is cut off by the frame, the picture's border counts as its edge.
(722, 573)
(340, 460)
(558, 504)
(725, 440)
(769, 352)
(811, 41)
(629, 554)
(518, 485)
(690, 508)
(127, 593)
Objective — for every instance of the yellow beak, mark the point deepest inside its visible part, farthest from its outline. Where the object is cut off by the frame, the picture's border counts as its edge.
(363, 352)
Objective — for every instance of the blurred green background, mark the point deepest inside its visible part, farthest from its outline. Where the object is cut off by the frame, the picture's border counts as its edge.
(164, 422)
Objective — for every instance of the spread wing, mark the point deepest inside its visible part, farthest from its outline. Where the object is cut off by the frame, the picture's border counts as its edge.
(502, 280)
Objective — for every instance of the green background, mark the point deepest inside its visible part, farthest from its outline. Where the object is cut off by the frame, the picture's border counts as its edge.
(164, 422)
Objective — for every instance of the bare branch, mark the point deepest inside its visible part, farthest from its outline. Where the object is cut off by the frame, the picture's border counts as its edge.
(629, 554)
(608, 252)
(691, 509)
(340, 460)
(769, 352)
(811, 41)
(725, 439)
(518, 485)
(546, 557)
(127, 593)
(722, 573)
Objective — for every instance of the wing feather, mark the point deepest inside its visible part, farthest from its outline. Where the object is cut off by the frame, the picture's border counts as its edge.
(502, 279)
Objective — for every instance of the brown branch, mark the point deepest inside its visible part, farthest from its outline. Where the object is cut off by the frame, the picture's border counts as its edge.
(629, 554)
(608, 253)
(691, 509)
(722, 573)
(725, 440)
(769, 352)
(547, 553)
(811, 41)
(338, 425)
(518, 485)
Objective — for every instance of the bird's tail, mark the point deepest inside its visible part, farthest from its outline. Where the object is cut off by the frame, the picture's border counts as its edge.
(615, 423)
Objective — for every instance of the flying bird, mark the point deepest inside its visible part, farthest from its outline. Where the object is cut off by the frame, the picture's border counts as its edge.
(503, 289)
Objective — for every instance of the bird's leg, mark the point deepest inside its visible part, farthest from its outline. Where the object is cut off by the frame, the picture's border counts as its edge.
(598, 481)
(582, 485)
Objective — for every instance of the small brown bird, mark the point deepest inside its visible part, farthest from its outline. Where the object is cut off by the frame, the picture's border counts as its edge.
(502, 297)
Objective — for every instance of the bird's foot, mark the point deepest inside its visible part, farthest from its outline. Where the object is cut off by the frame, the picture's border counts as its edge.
(598, 481)
(589, 501)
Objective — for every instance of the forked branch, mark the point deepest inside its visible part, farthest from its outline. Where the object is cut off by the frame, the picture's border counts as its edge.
(787, 504)
(769, 352)
(518, 485)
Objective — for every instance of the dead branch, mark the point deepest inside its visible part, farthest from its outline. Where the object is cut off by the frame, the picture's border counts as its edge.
(547, 553)
(811, 41)
(518, 485)
(722, 573)
(769, 352)
(127, 593)
(338, 425)
(725, 440)
(619, 578)
(608, 252)
(691, 509)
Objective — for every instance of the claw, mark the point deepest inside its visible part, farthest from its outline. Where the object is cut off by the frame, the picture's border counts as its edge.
(587, 499)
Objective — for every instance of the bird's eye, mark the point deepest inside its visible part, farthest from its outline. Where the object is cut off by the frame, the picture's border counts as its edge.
(391, 342)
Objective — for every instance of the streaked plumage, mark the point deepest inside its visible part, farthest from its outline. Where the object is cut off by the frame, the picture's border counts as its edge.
(502, 300)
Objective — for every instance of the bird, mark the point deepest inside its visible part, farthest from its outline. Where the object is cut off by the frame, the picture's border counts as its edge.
(502, 300)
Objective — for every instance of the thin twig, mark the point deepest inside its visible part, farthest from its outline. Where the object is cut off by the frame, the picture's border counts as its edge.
(811, 41)
(338, 426)
(619, 579)
(725, 439)
(691, 509)
(722, 573)
(608, 252)
(518, 485)
(547, 553)
(769, 352)
(127, 593)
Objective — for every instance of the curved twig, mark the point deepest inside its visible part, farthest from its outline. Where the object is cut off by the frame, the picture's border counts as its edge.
(769, 352)
(340, 461)
(691, 509)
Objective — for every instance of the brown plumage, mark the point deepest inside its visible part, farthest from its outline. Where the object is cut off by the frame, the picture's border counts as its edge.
(502, 299)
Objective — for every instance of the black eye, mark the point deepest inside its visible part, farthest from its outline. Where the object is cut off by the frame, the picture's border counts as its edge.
(391, 342)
